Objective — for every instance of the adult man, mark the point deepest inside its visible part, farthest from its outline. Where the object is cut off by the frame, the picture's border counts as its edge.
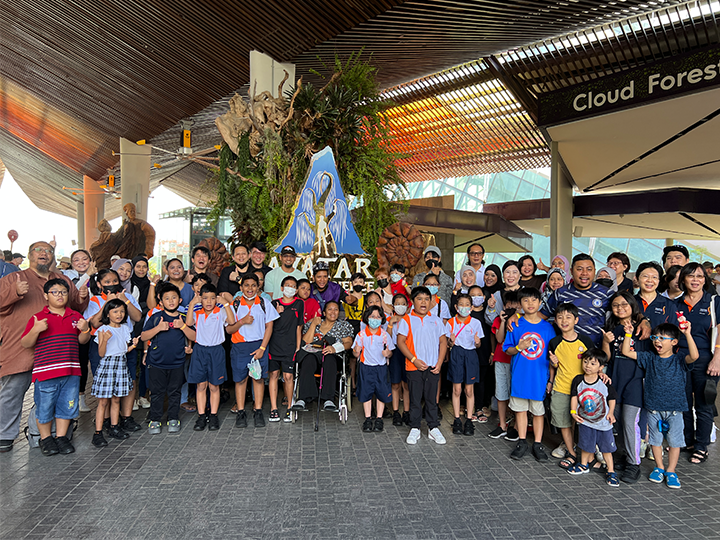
(324, 290)
(432, 256)
(21, 296)
(675, 255)
(273, 279)
(476, 254)
(6, 267)
(590, 298)
(17, 259)
(258, 251)
(200, 259)
(230, 276)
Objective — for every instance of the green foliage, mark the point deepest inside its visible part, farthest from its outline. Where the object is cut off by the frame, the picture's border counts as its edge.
(347, 115)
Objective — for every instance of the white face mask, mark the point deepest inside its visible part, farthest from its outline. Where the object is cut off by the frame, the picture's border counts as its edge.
(249, 297)
(289, 292)
(400, 309)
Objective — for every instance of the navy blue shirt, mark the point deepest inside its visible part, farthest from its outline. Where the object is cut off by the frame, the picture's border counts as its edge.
(167, 349)
(626, 375)
(699, 317)
(664, 381)
(592, 304)
(661, 310)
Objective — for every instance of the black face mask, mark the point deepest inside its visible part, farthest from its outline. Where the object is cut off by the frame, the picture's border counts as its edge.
(382, 283)
(605, 282)
(112, 289)
(359, 288)
(432, 262)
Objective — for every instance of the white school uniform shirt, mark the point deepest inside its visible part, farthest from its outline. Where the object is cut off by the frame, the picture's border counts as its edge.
(443, 312)
(384, 326)
(117, 345)
(422, 336)
(256, 330)
(373, 342)
(464, 332)
(210, 327)
(97, 302)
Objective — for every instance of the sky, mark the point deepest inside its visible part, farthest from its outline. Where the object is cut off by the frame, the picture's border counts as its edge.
(43, 225)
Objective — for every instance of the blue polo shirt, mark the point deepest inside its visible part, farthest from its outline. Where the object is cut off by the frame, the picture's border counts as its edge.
(626, 374)
(592, 304)
(167, 349)
(699, 317)
(661, 310)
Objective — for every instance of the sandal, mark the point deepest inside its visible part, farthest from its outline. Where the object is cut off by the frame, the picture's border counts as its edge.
(568, 461)
(699, 457)
(234, 409)
(187, 407)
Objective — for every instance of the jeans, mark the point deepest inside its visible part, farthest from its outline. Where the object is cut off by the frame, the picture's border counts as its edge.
(12, 392)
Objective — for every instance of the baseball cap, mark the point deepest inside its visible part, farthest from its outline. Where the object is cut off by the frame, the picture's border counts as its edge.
(433, 249)
(16, 255)
(288, 250)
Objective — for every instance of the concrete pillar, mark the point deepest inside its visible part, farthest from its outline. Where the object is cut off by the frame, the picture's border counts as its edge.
(135, 175)
(561, 207)
(93, 210)
(80, 225)
(446, 243)
(268, 73)
(669, 242)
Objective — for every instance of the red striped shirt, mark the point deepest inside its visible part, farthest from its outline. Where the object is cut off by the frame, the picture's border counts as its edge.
(56, 349)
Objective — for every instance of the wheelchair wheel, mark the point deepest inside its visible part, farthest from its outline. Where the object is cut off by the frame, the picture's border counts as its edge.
(348, 394)
(343, 413)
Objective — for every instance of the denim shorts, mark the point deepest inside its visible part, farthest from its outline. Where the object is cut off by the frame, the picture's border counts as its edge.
(502, 381)
(57, 398)
(674, 436)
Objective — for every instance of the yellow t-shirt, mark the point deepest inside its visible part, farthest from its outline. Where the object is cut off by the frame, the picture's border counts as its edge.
(353, 312)
(568, 354)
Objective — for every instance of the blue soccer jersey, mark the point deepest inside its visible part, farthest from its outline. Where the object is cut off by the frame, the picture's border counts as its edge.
(530, 369)
(592, 304)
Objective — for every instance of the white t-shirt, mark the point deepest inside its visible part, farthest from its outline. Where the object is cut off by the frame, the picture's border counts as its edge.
(464, 332)
(274, 278)
(117, 345)
(96, 304)
(373, 343)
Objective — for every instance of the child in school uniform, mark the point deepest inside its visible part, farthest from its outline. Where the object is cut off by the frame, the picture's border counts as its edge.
(373, 348)
(464, 334)
(398, 378)
(207, 364)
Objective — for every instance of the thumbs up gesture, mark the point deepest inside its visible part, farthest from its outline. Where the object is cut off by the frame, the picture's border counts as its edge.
(21, 287)
(39, 326)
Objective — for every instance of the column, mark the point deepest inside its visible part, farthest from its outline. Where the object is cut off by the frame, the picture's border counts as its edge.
(561, 207)
(80, 225)
(93, 210)
(268, 73)
(135, 176)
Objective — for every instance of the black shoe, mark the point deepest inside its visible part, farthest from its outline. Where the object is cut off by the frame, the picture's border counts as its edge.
(213, 422)
(116, 432)
(106, 424)
(457, 427)
(379, 425)
(98, 439)
(6, 445)
(631, 474)
(200, 423)
(538, 450)
(397, 419)
(406, 418)
(64, 445)
(497, 433)
(48, 446)
(128, 423)
(259, 418)
(521, 449)
(241, 419)
(512, 434)
(439, 413)
(387, 413)
(367, 426)
(469, 428)
(620, 463)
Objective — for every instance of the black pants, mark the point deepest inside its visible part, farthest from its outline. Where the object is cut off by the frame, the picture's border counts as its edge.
(164, 381)
(698, 433)
(309, 364)
(480, 389)
(84, 357)
(423, 384)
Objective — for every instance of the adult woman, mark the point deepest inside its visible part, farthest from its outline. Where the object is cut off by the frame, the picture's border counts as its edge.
(606, 276)
(511, 277)
(141, 283)
(475, 256)
(81, 265)
(124, 268)
(558, 261)
(655, 307)
(528, 269)
(325, 339)
(701, 309)
(669, 286)
(467, 280)
(621, 264)
(176, 276)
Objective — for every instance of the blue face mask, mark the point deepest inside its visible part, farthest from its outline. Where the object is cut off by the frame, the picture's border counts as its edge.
(433, 289)
(374, 323)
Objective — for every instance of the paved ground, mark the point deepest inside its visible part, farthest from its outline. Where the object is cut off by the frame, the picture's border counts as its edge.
(286, 481)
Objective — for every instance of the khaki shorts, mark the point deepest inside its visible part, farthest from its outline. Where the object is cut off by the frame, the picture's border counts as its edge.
(536, 408)
(560, 410)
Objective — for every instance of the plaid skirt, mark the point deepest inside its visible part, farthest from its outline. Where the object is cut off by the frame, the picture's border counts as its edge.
(112, 378)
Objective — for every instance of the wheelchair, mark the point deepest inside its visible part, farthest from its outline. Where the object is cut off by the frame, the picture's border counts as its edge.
(343, 385)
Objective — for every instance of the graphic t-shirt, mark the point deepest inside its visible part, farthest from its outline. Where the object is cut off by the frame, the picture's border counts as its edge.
(664, 381)
(593, 402)
(568, 354)
(530, 368)
(283, 341)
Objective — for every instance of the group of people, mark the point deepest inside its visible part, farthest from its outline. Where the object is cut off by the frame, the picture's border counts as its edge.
(638, 368)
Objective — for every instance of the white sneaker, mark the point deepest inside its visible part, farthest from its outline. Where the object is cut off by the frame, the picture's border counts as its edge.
(144, 403)
(559, 452)
(436, 436)
(414, 436)
(135, 405)
(82, 406)
(644, 447)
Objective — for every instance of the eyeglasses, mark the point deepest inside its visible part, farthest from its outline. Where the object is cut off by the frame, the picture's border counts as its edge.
(44, 250)
(476, 253)
(660, 338)
(58, 293)
(624, 304)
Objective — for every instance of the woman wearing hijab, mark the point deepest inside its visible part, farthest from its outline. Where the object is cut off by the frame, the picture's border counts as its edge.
(558, 261)
(606, 276)
(124, 269)
(140, 282)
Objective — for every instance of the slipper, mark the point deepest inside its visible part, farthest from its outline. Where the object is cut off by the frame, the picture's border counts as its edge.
(568, 461)
(284, 401)
(688, 449)
(234, 409)
(699, 456)
(187, 407)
